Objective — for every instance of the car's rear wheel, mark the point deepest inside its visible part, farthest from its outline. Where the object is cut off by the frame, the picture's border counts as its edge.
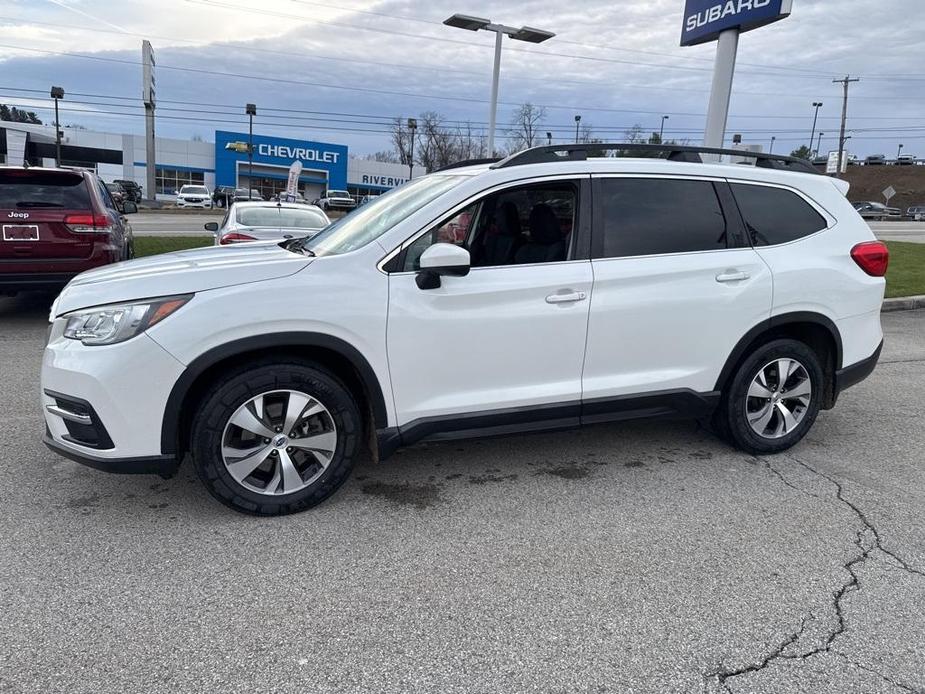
(276, 438)
(773, 399)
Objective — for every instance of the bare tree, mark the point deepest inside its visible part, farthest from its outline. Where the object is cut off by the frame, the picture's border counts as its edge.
(387, 156)
(525, 125)
(401, 140)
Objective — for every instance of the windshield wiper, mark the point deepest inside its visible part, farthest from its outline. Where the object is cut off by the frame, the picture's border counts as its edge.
(298, 245)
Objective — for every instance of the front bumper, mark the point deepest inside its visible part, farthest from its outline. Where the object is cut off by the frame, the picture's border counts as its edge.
(122, 388)
(198, 203)
(163, 465)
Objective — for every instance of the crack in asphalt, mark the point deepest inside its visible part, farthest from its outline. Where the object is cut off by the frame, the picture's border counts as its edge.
(723, 674)
(898, 685)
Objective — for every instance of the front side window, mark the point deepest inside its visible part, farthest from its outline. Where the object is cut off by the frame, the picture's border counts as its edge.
(651, 216)
(516, 226)
(776, 215)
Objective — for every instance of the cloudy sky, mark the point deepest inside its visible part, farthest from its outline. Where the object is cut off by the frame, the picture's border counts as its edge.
(338, 70)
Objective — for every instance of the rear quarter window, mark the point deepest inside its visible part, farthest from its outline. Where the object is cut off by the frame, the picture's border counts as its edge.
(22, 189)
(775, 215)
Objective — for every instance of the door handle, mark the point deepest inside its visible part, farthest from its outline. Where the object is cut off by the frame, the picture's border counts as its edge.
(566, 298)
(732, 276)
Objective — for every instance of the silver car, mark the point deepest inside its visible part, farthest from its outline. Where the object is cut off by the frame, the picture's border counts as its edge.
(267, 221)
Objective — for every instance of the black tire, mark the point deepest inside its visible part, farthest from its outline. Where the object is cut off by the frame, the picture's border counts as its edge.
(234, 389)
(730, 419)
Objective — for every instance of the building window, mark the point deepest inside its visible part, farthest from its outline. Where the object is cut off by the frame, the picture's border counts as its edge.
(169, 181)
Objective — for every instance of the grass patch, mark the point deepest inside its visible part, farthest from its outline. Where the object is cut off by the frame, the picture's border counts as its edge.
(153, 245)
(906, 274)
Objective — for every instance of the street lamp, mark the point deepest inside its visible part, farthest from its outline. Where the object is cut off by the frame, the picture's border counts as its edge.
(251, 111)
(462, 21)
(816, 105)
(771, 148)
(819, 144)
(661, 130)
(577, 121)
(412, 126)
(57, 93)
(899, 151)
(548, 138)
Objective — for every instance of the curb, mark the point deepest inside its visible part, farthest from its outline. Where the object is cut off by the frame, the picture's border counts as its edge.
(903, 303)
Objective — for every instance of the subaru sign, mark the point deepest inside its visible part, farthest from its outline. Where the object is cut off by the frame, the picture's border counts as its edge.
(704, 20)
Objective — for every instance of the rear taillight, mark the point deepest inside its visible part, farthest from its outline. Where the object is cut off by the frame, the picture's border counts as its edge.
(872, 257)
(234, 237)
(88, 223)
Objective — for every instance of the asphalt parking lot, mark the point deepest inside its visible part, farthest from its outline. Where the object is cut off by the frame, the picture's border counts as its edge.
(638, 557)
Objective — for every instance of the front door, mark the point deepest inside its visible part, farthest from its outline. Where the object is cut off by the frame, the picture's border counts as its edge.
(504, 344)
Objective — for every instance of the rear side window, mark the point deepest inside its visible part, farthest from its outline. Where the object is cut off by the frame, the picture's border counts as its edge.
(775, 215)
(23, 189)
(652, 216)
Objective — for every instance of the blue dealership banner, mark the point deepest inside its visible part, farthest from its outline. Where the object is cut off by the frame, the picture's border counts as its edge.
(704, 20)
(329, 160)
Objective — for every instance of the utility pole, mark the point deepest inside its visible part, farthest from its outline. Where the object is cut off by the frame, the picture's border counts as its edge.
(577, 121)
(819, 142)
(844, 117)
(251, 111)
(413, 127)
(661, 131)
(58, 93)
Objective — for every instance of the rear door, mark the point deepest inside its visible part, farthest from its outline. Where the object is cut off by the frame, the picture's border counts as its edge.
(676, 285)
(34, 207)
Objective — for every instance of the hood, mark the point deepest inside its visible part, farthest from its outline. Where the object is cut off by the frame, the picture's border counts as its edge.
(182, 272)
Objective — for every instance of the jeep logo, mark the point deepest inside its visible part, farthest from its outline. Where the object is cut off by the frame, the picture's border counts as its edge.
(18, 215)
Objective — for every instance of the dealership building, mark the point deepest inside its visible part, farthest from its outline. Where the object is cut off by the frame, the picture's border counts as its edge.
(325, 165)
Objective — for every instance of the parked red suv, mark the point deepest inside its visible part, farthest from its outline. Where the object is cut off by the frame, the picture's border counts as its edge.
(56, 223)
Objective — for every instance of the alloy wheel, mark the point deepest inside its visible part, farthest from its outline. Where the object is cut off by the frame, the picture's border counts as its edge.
(778, 398)
(279, 442)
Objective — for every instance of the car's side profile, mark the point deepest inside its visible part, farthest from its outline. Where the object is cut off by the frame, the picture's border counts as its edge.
(538, 293)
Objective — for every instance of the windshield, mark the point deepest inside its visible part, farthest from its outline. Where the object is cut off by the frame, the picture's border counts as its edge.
(195, 190)
(338, 194)
(371, 221)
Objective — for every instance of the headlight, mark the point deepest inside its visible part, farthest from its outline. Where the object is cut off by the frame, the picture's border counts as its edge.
(107, 325)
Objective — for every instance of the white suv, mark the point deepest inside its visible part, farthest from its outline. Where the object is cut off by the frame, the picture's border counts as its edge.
(541, 292)
(194, 196)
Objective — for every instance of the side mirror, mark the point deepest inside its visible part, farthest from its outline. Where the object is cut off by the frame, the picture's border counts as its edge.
(210, 226)
(129, 207)
(442, 259)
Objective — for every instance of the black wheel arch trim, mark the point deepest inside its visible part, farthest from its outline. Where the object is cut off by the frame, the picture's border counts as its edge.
(778, 321)
(163, 465)
(170, 427)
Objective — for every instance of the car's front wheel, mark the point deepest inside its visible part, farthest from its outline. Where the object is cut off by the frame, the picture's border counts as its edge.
(276, 438)
(773, 399)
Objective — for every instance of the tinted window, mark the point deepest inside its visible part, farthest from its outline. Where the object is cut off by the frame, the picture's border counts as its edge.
(22, 189)
(651, 216)
(775, 215)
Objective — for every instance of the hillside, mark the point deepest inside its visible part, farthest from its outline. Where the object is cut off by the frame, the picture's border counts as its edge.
(868, 182)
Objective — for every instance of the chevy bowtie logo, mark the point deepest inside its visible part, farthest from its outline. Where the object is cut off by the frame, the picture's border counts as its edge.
(18, 215)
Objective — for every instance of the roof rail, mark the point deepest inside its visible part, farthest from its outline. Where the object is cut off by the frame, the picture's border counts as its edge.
(687, 153)
(468, 162)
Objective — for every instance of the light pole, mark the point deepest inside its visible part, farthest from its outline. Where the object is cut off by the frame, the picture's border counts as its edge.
(412, 126)
(899, 151)
(577, 122)
(819, 143)
(548, 138)
(771, 148)
(251, 111)
(661, 131)
(57, 93)
(462, 21)
(816, 105)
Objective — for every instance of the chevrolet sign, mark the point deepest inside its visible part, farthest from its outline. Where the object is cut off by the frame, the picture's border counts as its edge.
(704, 20)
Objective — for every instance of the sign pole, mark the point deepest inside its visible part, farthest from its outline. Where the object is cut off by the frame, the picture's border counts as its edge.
(720, 94)
(148, 97)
